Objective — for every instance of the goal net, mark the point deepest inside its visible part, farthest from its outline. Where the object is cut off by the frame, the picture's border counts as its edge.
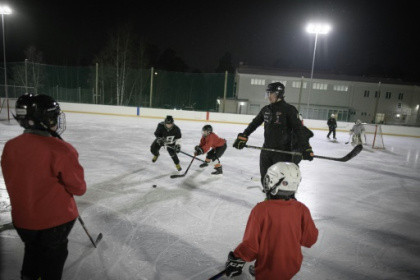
(7, 108)
(374, 137)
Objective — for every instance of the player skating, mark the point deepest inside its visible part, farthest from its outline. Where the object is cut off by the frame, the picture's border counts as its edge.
(42, 174)
(332, 125)
(283, 130)
(167, 134)
(214, 146)
(357, 133)
(276, 229)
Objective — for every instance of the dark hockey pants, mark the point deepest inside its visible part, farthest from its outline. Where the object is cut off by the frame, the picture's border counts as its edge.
(45, 252)
(216, 154)
(155, 147)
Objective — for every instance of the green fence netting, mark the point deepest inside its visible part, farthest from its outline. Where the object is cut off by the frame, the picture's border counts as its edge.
(125, 87)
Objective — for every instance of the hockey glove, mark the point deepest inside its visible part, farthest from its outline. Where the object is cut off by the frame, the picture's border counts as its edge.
(240, 141)
(307, 153)
(198, 150)
(160, 141)
(177, 148)
(234, 265)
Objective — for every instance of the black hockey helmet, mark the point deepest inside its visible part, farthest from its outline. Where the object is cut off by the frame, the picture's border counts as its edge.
(21, 109)
(277, 88)
(40, 112)
(169, 122)
(207, 129)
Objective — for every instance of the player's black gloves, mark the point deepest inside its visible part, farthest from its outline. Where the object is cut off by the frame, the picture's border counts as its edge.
(307, 153)
(240, 141)
(198, 150)
(234, 265)
(177, 148)
(160, 141)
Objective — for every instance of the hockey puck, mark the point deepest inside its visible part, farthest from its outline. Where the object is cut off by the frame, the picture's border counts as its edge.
(154, 186)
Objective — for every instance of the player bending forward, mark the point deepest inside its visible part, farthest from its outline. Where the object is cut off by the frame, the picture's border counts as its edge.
(167, 134)
(358, 130)
(217, 146)
(276, 229)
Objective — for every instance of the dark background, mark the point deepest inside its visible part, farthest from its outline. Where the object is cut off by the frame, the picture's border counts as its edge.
(374, 38)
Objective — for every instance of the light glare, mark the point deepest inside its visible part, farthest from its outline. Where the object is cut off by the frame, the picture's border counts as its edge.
(4, 10)
(318, 28)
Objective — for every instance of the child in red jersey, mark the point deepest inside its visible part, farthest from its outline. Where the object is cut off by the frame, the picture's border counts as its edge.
(276, 229)
(214, 146)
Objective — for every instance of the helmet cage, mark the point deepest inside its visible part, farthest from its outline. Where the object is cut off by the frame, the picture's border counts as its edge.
(276, 88)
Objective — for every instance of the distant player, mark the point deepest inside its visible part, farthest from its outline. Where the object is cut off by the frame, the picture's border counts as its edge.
(332, 125)
(276, 229)
(358, 132)
(214, 146)
(167, 134)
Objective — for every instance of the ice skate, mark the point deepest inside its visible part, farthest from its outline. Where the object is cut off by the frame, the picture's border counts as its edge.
(154, 159)
(178, 167)
(218, 171)
(204, 164)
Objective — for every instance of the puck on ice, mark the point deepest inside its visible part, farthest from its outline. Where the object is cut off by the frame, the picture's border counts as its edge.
(154, 186)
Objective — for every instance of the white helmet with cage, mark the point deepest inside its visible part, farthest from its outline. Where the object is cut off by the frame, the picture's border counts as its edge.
(282, 179)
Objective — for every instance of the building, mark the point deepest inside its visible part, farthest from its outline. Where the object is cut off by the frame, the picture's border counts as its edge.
(372, 100)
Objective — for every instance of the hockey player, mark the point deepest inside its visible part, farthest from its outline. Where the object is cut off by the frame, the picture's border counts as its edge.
(215, 146)
(332, 125)
(283, 130)
(357, 131)
(42, 174)
(276, 229)
(167, 134)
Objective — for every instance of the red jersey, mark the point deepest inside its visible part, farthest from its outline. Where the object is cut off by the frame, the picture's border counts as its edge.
(42, 174)
(274, 234)
(211, 141)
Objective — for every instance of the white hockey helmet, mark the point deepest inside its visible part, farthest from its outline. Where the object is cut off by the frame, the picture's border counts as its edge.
(358, 122)
(282, 178)
(332, 116)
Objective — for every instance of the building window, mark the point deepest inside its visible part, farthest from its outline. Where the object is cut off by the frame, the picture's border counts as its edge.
(296, 84)
(399, 105)
(283, 82)
(400, 96)
(258, 82)
(319, 86)
(388, 95)
(377, 94)
(341, 88)
(366, 93)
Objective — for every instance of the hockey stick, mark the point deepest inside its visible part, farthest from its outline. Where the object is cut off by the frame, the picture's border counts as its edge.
(182, 175)
(347, 157)
(218, 275)
(99, 238)
(170, 147)
(349, 140)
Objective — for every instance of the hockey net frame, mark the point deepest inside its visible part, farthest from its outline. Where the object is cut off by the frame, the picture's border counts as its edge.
(373, 136)
(7, 106)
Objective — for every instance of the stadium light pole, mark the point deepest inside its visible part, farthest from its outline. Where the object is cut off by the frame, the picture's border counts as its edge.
(4, 10)
(315, 28)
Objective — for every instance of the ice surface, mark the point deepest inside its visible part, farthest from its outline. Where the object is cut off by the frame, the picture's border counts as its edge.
(367, 210)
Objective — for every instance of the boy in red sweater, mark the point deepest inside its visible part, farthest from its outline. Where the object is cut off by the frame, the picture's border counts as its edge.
(217, 146)
(42, 174)
(276, 229)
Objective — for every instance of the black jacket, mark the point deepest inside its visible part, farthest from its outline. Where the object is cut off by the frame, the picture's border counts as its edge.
(170, 136)
(281, 124)
(332, 123)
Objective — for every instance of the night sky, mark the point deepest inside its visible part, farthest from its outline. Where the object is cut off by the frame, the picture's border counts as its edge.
(367, 36)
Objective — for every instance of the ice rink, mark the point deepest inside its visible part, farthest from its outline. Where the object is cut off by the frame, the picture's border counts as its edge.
(367, 210)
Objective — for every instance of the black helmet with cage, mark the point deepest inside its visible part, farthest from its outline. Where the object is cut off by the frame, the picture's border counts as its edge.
(207, 129)
(277, 88)
(169, 122)
(41, 112)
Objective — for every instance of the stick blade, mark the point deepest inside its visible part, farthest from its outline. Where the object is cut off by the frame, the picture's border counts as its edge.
(98, 239)
(177, 176)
